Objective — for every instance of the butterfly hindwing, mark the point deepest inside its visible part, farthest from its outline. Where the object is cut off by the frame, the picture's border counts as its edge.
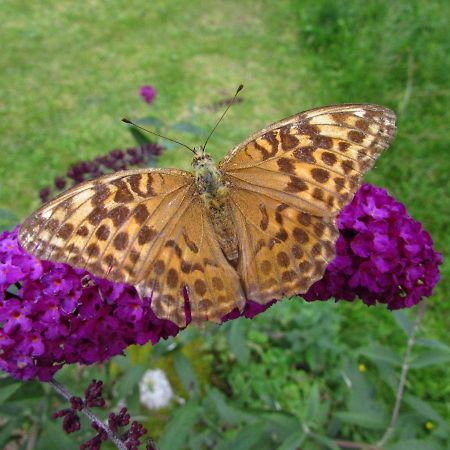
(190, 258)
(283, 249)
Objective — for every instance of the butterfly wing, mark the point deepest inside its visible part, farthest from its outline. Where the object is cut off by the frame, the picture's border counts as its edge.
(288, 182)
(142, 227)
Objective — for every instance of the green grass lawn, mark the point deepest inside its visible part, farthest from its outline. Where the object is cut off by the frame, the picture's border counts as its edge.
(71, 70)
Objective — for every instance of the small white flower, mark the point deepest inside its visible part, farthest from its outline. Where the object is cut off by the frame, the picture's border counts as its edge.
(155, 391)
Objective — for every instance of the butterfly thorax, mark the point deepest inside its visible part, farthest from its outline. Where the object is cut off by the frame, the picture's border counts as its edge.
(208, 178)
(212, 189)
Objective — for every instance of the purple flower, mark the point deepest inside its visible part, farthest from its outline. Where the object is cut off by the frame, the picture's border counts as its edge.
(382, 255)
(148, 93)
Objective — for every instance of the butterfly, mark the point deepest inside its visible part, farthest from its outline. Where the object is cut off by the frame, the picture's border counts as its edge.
(259, 225)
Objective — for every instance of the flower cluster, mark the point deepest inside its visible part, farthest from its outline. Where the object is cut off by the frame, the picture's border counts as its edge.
(383, 255)
(155, 391)
(93, 398)
(113, 161)
(148, 93)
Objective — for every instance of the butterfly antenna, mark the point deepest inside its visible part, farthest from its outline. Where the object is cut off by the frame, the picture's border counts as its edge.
(239, 89)
(125, 120)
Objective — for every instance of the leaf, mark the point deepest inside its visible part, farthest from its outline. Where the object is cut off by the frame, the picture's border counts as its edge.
(430, 358)
(280, 421)
(130, 380)
(176, 431)
(164, 347)
(325, 441)
(27, 390)
(238, 343)
(150, 122)
(186, 373)
(424, 410)
(7, 430)
(402, 321)
(369, 419)
(382, 353)
(139, 136)
(414, 444)
(313, 405)
(53, 437)
(229, 414)
(186, 127)
(362, 396)
(245, 439)
(388, 374)
(431, 343)
(7, 219)
(293, 442)
(7, 388)
(168, 145)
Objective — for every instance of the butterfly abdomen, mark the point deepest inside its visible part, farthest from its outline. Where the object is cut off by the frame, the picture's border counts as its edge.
(214, 193)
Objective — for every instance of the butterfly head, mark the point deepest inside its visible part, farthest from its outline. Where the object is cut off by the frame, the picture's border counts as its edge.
(201, 160)
(199, 152)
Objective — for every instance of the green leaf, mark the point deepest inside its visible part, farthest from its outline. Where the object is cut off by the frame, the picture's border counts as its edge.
(28, 390)
(369, 419)
(186, 127)
(280, 421)
(186, 373)
(130, 380)
(402, 321)
(7, 219)
(424, 410)
(53, 437)
(313, 405)
(415, 444)
(431, 343)
(176, 431)
(139, 136)
(381, 353)
(150, 122)
(293, 442)
(389, 374)
(8, 387)
(246, 439)
(325, 441)
(238, 343)
(168, 145)
(228, 413)
(7, 430)
(429, 358)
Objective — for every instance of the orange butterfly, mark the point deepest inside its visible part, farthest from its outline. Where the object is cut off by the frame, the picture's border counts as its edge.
(259, 225)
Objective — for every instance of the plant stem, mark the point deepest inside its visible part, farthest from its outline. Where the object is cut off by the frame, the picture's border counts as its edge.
(404, 373)
(350, 444)
(32, 436)
(88, 413)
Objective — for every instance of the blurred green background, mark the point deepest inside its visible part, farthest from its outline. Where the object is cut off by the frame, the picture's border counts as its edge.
(71, 70)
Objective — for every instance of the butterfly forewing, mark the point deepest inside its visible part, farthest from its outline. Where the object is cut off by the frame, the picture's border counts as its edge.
(145, 228)
(288, 182)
